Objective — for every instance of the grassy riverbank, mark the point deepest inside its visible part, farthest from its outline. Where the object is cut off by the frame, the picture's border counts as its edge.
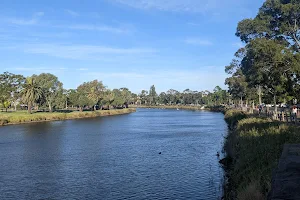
(185, 107)
(23, 117)
(254, 146)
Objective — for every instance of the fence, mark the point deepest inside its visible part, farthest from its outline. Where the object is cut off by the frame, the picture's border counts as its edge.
(282, 114)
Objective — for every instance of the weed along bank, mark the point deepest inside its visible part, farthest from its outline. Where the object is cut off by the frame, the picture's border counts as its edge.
(254, 146)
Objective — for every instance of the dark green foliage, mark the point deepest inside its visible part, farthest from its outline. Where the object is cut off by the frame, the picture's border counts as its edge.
(276, 19)
(152, 95)
(31, 93)
(51, 88)
(270, 60)
(269, 66)
(233, 116)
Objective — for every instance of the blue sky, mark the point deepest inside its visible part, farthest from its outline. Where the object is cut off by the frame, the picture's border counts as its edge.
(175, 44)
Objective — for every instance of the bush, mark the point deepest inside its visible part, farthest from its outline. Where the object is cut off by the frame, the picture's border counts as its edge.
(255, 146)
(233, 116)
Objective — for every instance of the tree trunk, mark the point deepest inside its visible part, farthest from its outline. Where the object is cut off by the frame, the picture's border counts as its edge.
(95, 108)
(275, 106)
(29, 108)
(80, 109)
(241, 101)
(66, 104)
(50, 107)
(252, 108)
(259, 95)
(15, 105)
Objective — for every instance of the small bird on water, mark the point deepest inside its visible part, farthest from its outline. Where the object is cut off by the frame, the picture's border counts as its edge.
(159, 153)
(218, 154)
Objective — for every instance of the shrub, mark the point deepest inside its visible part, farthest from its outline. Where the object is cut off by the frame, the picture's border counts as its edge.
(255, 146)
(233, 116)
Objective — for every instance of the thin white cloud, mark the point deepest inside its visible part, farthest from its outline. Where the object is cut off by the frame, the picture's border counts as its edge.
(50, 35)
(82, 52)
(37, 70)
(72, 13)
(36, 18)
(90, 27)
(82, 69)
(198, 42)
(168, 5)
(24, 22)
(217, 9)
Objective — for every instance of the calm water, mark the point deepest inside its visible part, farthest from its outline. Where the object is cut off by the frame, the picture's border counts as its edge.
(115, 157)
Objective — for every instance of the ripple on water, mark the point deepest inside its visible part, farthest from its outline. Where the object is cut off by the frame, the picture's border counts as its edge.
(115, 157)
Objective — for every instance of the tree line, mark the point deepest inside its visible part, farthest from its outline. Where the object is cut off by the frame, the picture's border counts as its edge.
(267, 68)
(46, 92)
(187, 97)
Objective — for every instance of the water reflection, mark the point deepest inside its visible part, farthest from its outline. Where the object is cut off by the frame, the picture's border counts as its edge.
(114, 157)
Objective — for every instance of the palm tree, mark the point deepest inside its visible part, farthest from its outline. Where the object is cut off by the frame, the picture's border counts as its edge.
(31, 93)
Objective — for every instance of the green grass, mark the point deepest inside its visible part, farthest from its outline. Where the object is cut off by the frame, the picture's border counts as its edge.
(254, 146)
(23, 117)
(233, 116)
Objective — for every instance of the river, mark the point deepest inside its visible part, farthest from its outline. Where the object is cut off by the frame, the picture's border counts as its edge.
(150, 154)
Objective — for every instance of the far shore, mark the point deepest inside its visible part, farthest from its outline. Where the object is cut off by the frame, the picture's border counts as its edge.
(19, 117)
(184, 107)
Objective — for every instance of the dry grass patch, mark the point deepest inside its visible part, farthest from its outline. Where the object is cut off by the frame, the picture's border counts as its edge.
(24, 117)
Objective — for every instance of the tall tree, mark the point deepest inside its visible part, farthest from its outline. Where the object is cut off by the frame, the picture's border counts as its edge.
(270, 65)
(143, 96)
(119, 98)
(173, 96)
(94, 91)
(72, 97)
(108, 99)
(51, 87)
(61, 100)
(237, 84)
(10, 88)
(162, 98)
(126, 95)
(276, 19)
(31, 93)
(152, 95)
